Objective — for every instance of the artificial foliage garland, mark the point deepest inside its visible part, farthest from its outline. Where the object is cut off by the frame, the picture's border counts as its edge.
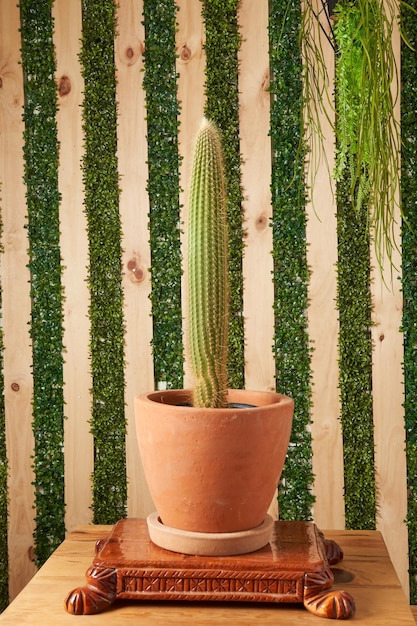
(353, 266)
(101, 182)
(355, 358)
(291, 276)
(160, 84)
(4, 560)
(222, 44)
(409, 275)
(41, 177)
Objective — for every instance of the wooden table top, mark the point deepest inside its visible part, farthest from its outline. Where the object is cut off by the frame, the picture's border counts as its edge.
(366, 573)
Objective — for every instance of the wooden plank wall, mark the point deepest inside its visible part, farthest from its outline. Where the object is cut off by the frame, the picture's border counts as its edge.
(258, 297)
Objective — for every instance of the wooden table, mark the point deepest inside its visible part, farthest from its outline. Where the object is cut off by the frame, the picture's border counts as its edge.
(366, 573)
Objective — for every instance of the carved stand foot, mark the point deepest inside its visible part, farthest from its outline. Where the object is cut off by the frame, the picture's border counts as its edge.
(323, 601)
(95, 597)
(99, 593)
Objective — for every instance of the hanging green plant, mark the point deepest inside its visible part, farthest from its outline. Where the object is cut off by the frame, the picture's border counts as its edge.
(160, 84)
(366, 89)
(367, 131)
(222, 107)
(291, 276)
(367, 185)
(101, 183)
(46, 329)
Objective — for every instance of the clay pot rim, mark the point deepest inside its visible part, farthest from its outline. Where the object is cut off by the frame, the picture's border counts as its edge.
(177, 398)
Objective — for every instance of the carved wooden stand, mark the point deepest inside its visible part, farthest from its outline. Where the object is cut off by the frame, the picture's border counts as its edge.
(293, 567)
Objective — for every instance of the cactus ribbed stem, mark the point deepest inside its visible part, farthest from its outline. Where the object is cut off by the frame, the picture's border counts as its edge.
(208, 294)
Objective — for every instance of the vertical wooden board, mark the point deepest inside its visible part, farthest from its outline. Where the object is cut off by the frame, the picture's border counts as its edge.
(134, 208)
(190, 67)
(388, 397)
(16, 304)
(74, 252)
(323, 327)
(256, 181)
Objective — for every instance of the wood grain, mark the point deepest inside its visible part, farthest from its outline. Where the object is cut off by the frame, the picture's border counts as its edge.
(74, 252)
(388, 397)
(323, 328)
(255, 145)
(134, 209)
(16, 304)
(366, 572)
(190, 67)
(258, 290)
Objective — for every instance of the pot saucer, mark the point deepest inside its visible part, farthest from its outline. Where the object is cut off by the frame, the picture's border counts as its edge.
(209, 544)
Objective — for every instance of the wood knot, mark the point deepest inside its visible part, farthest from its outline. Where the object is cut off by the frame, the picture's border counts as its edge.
(185, 53)
(261, 222)
(64, 86)
(133, 52)
(32, 554)
(1, 82)
(130, 55)
(137, 275)
(266, 81)
(381, 337)
(15, 386)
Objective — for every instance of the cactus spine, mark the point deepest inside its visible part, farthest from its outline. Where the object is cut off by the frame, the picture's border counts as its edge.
(207, 255)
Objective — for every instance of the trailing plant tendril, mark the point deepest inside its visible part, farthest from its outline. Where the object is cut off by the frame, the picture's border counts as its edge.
(366, 89)
(366, 128)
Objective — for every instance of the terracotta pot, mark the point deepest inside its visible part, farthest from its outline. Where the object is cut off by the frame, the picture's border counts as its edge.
(213, 470)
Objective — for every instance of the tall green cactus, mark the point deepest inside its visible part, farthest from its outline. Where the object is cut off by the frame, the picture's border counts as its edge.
(208, 284)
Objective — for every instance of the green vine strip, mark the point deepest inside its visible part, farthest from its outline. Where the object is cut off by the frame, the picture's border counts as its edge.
(160, 84)
(355, 92)
(4, 559)
(409, 275)
(222, 107)
(355, 359)
(108, 424)
(291, 276)
(41, 178)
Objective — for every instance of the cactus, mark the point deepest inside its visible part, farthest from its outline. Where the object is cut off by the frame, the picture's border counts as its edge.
(208, 294)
